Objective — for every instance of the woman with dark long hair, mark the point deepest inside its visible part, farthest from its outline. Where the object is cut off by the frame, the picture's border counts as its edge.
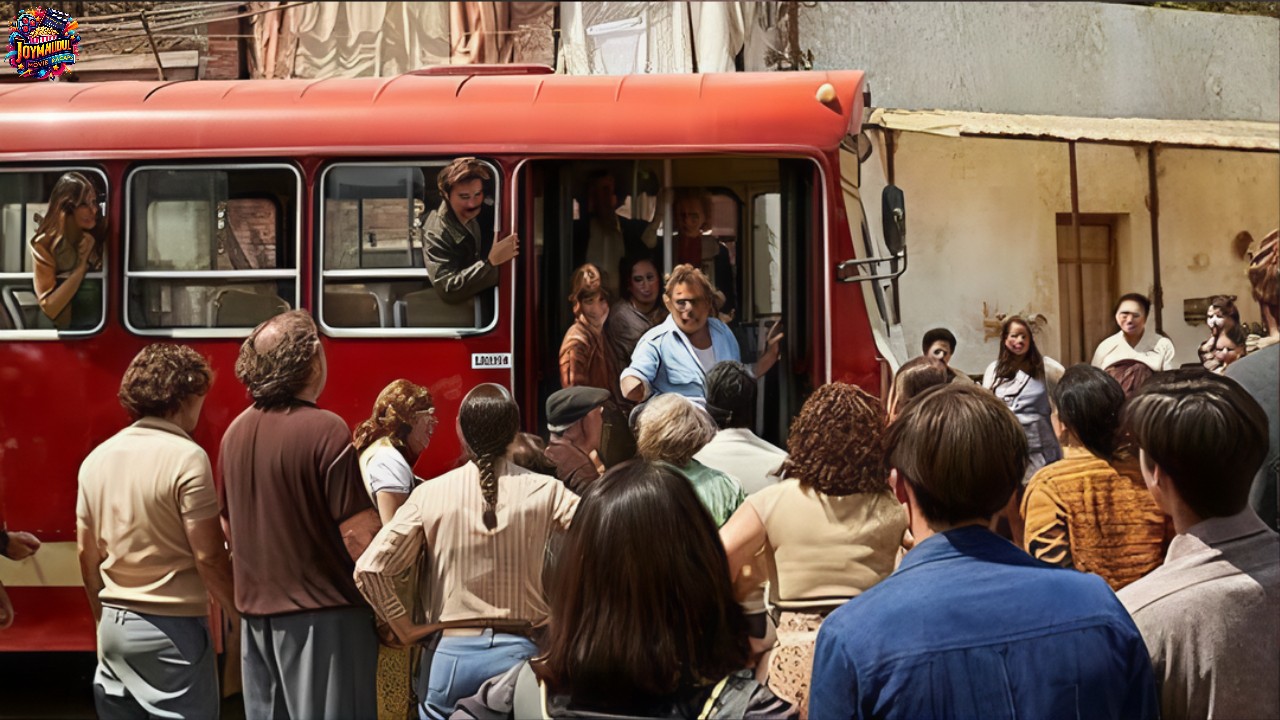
(830, 530)
(643, 617)
(1023, 378)
(1079, 511)
(483, 529)
(63, 250)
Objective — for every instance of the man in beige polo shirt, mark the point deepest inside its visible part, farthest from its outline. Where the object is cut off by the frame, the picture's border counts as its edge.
(151, 545)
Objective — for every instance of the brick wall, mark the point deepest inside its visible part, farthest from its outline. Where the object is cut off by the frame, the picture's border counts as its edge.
(223, 59)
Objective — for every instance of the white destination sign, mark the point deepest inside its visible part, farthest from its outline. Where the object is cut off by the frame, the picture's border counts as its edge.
(490, 361)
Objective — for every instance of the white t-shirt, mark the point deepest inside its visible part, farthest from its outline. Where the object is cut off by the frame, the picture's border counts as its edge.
(384, 469)
(707, 357)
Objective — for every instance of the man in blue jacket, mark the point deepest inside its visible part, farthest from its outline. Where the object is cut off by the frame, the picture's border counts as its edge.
(970, 626)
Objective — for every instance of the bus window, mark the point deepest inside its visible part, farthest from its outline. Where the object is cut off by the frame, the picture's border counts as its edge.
(24, 202)
(766, 249)
(211, 250)
(374, 280)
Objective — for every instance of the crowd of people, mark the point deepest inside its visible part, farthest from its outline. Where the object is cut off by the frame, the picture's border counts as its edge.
(1092, 541)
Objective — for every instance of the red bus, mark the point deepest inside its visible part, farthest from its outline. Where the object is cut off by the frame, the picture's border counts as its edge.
(226, 202)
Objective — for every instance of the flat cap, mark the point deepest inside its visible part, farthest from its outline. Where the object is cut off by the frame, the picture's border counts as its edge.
(568, 406)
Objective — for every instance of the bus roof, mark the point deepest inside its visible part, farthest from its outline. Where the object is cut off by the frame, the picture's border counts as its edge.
(430, 114)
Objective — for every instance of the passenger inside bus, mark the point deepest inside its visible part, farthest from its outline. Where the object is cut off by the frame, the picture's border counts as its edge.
(603, 237)
(693, 244)
(639, 308)
(585, 359)
(64, 250)
(451, 248)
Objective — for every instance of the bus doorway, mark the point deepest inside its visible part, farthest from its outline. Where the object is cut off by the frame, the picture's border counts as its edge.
(756, 246)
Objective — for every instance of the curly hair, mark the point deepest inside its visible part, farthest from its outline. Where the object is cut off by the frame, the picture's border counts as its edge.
(1264, 272)
(489, 420)
(687, 274)
(277, 360)
(393, 415)
(161, 377)
(836, 445)
(673, 429)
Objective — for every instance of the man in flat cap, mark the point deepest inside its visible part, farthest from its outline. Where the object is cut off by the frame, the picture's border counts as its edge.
(575, 419)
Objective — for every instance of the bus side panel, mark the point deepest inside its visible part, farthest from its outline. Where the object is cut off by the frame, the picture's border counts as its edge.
(854, 357)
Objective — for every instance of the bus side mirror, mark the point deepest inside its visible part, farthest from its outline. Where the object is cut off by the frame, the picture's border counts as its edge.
(893, 212)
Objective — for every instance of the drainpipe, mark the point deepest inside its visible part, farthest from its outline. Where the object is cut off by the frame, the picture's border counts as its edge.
(1075, 237)
(1153, 204)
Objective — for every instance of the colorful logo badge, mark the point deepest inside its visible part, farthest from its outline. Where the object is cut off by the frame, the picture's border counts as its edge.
(43, 44)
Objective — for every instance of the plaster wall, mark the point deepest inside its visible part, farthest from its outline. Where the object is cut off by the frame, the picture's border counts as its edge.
(1206, 198)
(982, 230)
(1075, 59)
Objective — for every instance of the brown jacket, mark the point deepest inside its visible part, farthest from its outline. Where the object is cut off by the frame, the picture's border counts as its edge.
(1082, 513)
(585, 361)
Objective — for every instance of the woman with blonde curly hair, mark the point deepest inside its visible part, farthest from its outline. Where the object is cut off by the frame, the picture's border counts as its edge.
(482, 530)
(391, 441)
(830, 530)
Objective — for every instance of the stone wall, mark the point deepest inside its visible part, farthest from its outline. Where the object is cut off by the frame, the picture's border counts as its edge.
(1076, 59)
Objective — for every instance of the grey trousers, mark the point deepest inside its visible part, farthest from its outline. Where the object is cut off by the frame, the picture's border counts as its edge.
(154, 666)
(319, 665)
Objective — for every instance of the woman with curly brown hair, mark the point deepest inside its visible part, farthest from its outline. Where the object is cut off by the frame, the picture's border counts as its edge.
(151, 545)
(391, 441)
(830, 529)
(483, 529)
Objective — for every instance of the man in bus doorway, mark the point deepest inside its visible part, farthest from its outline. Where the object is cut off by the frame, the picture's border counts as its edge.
(451, 243)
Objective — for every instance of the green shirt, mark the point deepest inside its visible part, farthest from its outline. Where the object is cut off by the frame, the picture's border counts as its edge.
(720, 493)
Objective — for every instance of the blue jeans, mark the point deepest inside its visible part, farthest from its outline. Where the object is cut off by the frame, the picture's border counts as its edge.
(460, 666)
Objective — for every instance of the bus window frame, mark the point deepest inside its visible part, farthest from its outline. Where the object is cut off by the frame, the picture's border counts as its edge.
(276, 275)
(100, 275)
(320, 272)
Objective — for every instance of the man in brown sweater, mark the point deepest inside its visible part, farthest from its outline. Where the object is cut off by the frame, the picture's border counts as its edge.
(289, 478)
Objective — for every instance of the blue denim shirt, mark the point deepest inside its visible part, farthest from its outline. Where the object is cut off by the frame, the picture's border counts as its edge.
(970, 626)
(664, 359)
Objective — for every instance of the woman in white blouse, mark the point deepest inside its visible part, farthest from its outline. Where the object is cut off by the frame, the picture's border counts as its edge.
(481, 532)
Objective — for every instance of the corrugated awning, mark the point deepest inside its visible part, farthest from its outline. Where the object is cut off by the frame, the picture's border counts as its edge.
(1226, 134)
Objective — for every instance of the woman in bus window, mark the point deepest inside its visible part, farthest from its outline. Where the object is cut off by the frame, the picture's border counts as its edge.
(584, 359)
(64, 250)
(657, 636)
(482, 530)
(676, 355)
(639, 309)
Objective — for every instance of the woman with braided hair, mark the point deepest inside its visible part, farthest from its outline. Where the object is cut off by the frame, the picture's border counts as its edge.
(482, 530)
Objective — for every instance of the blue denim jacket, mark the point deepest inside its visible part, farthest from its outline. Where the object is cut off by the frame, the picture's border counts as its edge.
(664, 359)
(970, 626)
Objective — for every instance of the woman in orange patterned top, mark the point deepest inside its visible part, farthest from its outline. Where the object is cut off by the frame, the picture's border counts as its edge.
(1079, 511)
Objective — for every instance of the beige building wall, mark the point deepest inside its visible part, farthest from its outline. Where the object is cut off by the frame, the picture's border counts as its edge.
(982, 231)
(1206, 198)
